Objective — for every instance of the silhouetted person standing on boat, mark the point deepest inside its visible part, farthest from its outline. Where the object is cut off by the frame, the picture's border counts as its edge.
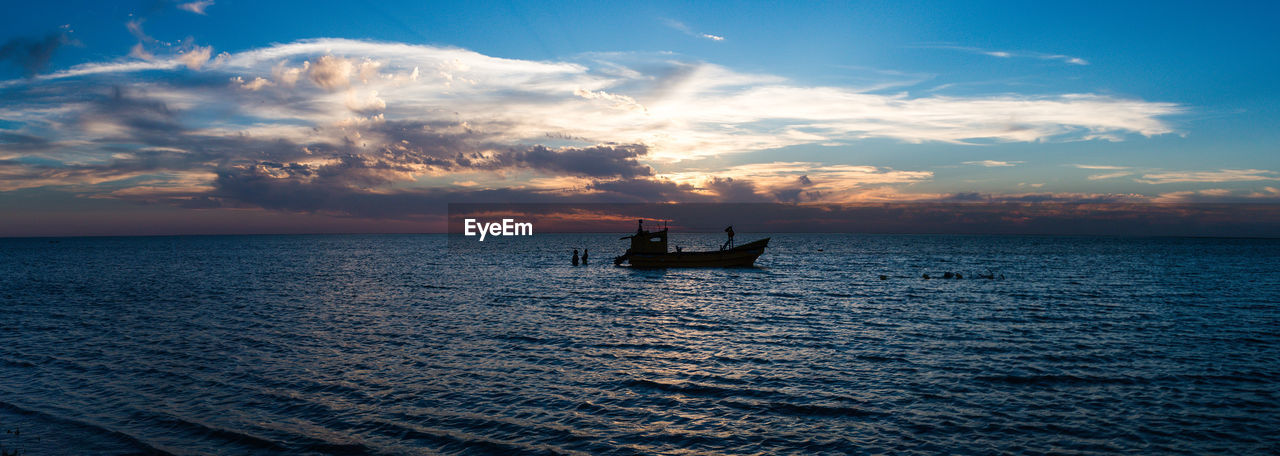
(728, 243)
(584, 257)
(575, 257)
(639, 226)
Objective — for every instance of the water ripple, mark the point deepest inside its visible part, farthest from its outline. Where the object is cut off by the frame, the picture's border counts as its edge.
(416, 344)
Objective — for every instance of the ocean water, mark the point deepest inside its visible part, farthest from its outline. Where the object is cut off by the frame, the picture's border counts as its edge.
(424, 344)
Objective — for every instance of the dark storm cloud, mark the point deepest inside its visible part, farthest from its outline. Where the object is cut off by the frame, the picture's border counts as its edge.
(18, 142)
(52, 172)
(978, 197)
(454, 146)
(32, 55)
(262, 187)
(735, 190)
(597, 161)
(142, 117)
(647, 190)
(144, 134)
(796, 192)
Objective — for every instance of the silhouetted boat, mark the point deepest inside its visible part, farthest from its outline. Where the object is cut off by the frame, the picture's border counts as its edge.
(649, 250)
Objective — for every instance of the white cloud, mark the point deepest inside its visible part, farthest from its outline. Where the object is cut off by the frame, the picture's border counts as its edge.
(680, 109)
(331, 72)
(1109, 175)
(367, 103)
(617, 101)
(140, 52)
(196, 57)
(689, 31)
(135, 28)
(992, 163)
(197, 7)
(1099, 166)
(1012, 54)
(289, 76)
(1219, 176)
(256, 84)
(1219, 195)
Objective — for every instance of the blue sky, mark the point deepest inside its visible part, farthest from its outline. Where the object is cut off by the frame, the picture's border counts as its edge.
(291, 112)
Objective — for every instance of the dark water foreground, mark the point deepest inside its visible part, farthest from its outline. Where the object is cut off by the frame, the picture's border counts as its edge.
(399, 345)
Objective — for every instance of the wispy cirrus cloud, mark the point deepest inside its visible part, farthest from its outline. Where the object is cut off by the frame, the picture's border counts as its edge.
(1220, 195)
(1109, 175)
(992, 163)
(1013, 54)
(1218, 176)
(689, 31)
(1099, 166)
(197, 7)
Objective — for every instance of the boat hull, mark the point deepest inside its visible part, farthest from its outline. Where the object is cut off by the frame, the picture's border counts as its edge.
(741, 256)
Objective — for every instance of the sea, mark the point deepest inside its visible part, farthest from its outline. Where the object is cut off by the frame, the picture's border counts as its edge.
(832, 344)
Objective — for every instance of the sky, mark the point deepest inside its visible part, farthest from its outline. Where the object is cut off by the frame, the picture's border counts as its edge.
(223, 116)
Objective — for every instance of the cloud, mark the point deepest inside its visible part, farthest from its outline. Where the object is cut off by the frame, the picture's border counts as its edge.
(390, 124)
(256, 84)
(1219, 176)
(689, 31)
(331, 72)
(680, 109)
(135, 28)
(183, 53)
(196, 57)
(1109, 175)
(1220, 195)
(1099, 166)
(197, 7)
(289, 76)
(617, 101)
(369, 104)
(138, 51)
(798, 181)
(1013, 54)
(32, 55)
(992, 163)
(602, 160)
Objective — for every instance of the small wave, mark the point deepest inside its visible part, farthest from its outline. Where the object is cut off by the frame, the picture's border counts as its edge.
(881, 359)
(792, 409)
(16, 363)
(697, 389)
(207, 431)
(630, 346)
(138, 445)
(742, 359)
(1060, 380)
(448, 441)
(336, 448)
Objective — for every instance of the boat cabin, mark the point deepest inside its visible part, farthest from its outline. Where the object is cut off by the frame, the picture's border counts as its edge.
(648, 241)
